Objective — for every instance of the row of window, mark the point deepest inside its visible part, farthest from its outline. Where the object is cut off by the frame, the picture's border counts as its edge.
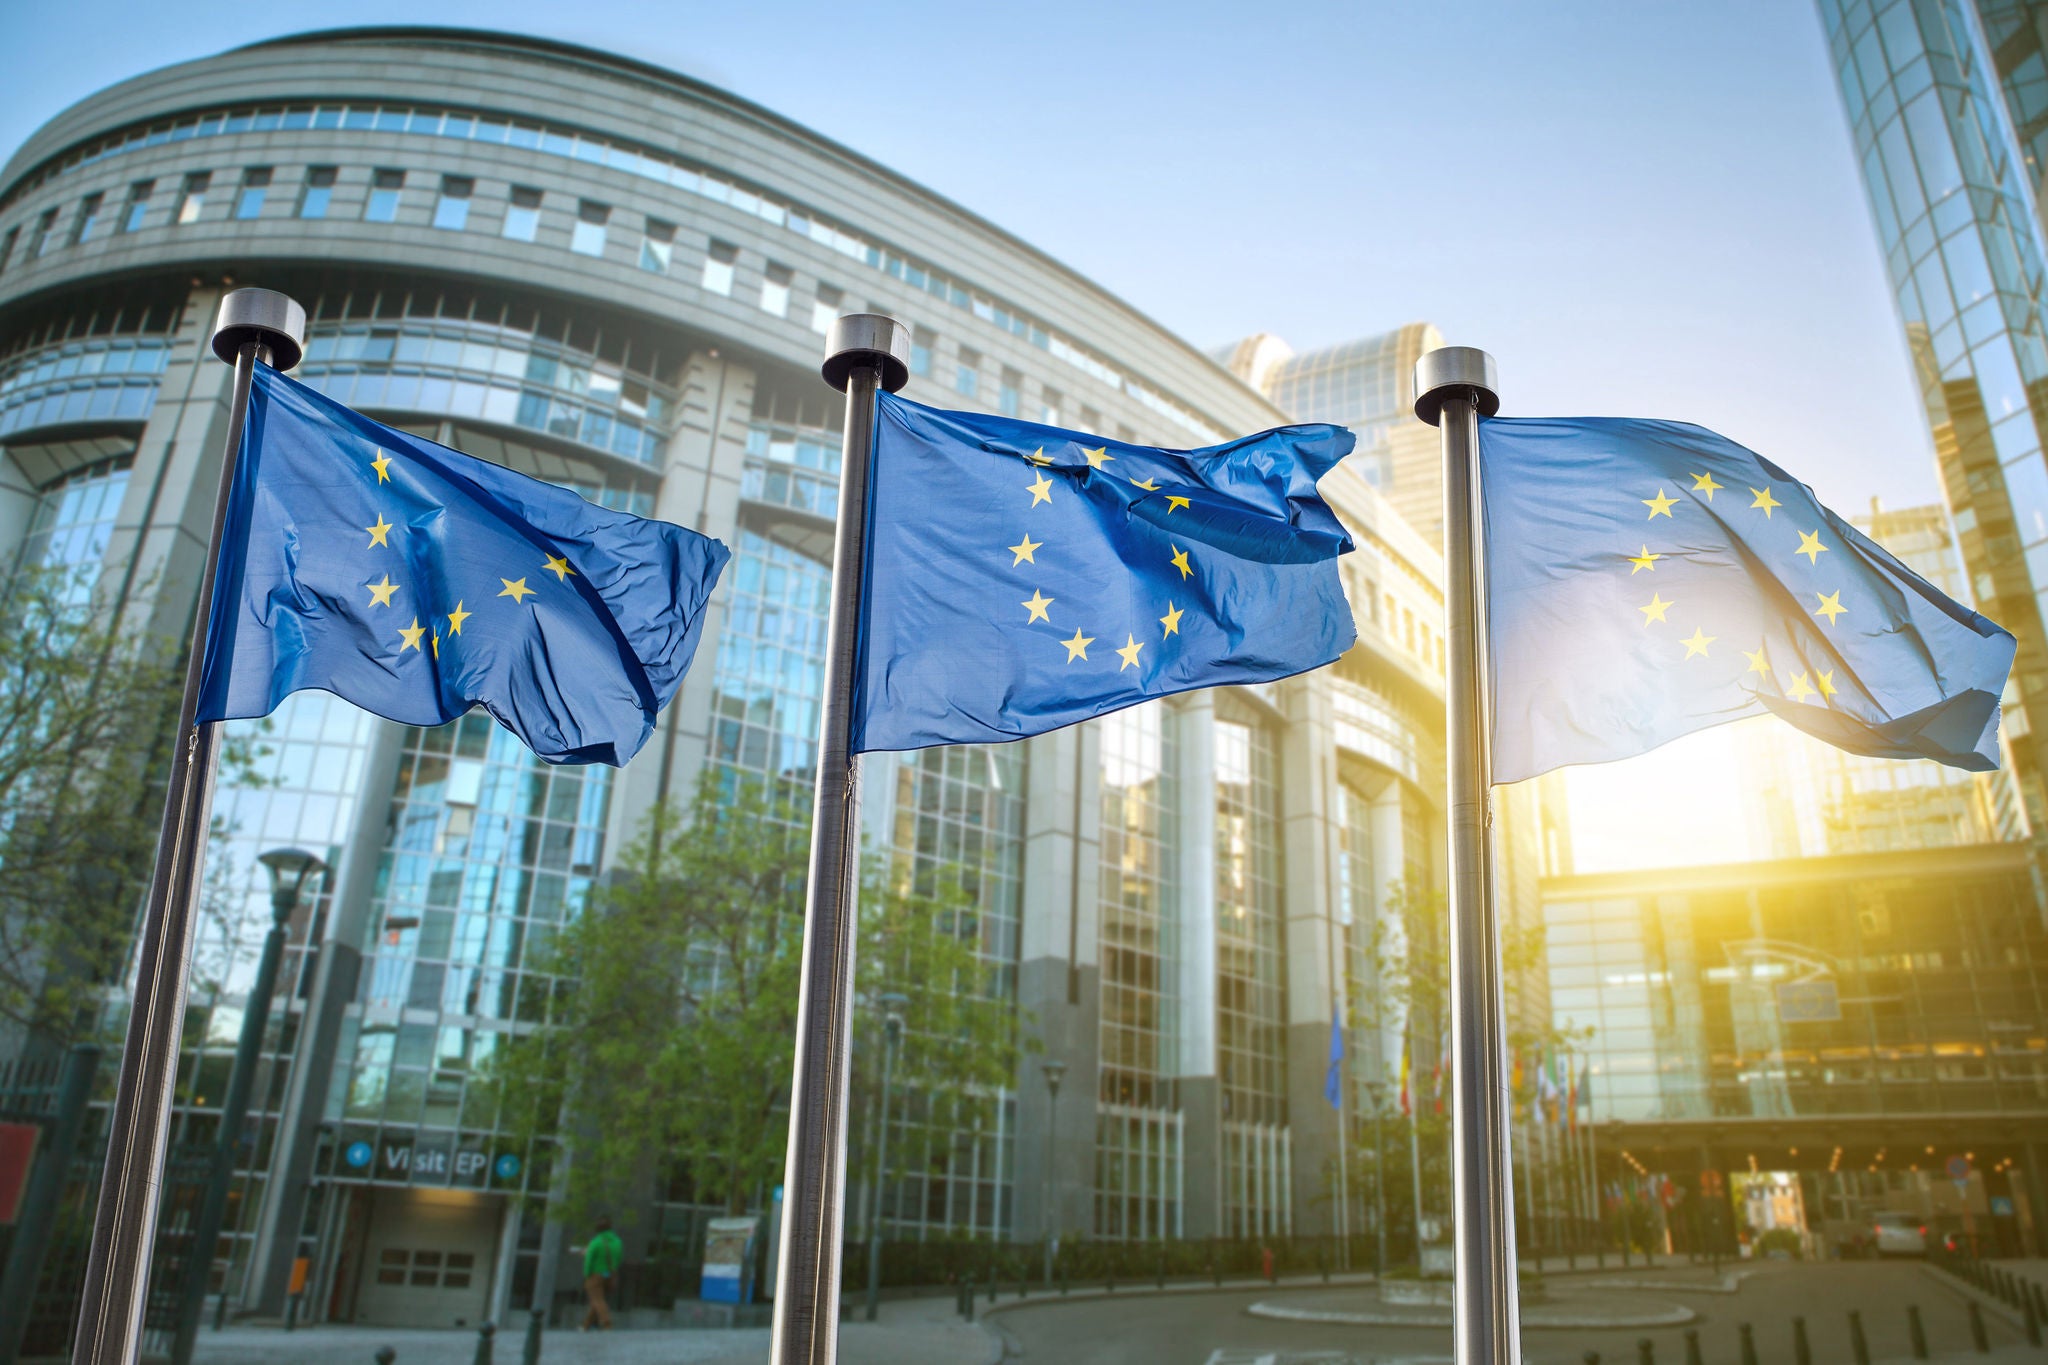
(489, 127)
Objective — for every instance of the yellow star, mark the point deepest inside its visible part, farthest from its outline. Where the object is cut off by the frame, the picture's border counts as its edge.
(1180, 560)
(1800, 689)
(1024, 549)
(1830, 605)
(1810, 546)
(1098, 458)
(1040, 491)
(1174, 503)
(437, 646)
(515, 589)
(1039, 456)
(1698, 643)
(412, 635)
(378, 532)
(381, 464)
(1171, 620)
(1655, 611)
(1764, 500)
(1077, 648)
(1149, 485)
(1645, 560)
(559, 566)
(1758, 664)
(1660, 506)
(1827, 682)
(1704, 483)
(457, 617)
(1036, 606)
(380, 593)
(1129, 653)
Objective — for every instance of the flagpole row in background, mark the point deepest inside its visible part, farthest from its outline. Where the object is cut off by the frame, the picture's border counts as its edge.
(255, 326)
(864, 354)
(1454, 387)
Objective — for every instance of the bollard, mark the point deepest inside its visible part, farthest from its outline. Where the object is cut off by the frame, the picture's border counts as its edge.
(1022, 1290)
(1216, 1273)
(220, 1311)
(1749, 1345)
(1646, 1351)
(1162, 1273)
(1859, 1345)
(1979, 1338)
(2033, 1320)
(385, 1355)
(291, 1313)
(1802, 1351)
(2040, 1303)
(1591, 1358)
(1916, 1331)
(483, 1344)
(529, 1354)
(1109, 1281)
(1692, 1346)
(1063, 1280)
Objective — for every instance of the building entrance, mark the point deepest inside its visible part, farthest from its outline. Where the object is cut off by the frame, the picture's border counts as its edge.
(427, 1258)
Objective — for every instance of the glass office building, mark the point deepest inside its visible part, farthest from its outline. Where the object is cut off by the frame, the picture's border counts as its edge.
(495, 250)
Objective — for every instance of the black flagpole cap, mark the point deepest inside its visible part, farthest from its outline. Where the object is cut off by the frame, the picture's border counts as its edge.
(860, 339)
(265, 317)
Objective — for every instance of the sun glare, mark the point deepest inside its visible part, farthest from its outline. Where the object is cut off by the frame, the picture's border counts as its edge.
(1678, 806)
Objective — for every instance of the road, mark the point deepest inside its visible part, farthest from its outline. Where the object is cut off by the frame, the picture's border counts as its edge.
(1215, 1329)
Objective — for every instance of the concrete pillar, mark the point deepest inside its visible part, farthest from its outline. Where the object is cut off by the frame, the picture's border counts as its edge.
(281, 1215)
(1058, 983)
(1201, 1096)
(1313, 946)
(700, 489)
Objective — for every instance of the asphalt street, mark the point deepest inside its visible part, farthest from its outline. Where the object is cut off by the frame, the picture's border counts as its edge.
(1217, 1329)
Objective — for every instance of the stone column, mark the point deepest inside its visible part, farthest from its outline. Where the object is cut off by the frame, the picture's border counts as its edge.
(1201, 1097)
(1308, 750)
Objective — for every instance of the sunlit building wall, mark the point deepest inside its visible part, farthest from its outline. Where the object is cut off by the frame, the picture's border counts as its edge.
(495, 252)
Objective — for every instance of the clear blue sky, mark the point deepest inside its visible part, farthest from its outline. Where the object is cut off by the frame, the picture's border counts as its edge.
(1644, 210)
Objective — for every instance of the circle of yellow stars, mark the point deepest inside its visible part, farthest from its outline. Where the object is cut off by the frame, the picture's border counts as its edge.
(427, 638)
(1827, 605)
(1038, 607)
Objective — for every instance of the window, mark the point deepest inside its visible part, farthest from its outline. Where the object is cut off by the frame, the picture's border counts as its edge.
(775, 290)
(522, 216)
(718, 264)
(451, 210)
(386, 187)
(588, 237)
(138, 205)
(192, 200)
(922, 340)
(825, 311)
(658, 247)
(1049, 407)
(1091, 420)
(92, 217)
(45, 237)
(7, 246)
(967, 374)
(255, 184)
(1010, 397)
(319, 190)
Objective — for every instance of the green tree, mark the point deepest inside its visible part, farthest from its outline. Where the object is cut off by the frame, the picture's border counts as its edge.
(670, 1031)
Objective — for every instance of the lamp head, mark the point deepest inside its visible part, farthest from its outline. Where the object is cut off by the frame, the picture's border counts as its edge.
(1053, 1073)
(289, 868)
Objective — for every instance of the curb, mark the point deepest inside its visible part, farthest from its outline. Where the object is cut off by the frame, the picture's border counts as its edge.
(1150, 1290)
(1675, 1316)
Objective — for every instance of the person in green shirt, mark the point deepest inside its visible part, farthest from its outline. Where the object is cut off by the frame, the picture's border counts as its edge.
(600, 1262)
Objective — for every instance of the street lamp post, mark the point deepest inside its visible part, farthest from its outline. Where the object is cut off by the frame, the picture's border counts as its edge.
(1053, 1072)
(1376, 1091)
(892, 1030)
(289, 868)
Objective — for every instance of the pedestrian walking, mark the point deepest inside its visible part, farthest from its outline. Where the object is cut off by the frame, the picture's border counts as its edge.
(600, 1262)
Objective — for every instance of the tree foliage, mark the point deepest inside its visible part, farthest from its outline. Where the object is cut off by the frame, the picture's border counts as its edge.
(669, 1040)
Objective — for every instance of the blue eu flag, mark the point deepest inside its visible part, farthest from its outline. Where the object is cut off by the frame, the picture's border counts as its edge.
(1648, 579)
(1021, 578)
(417, 582)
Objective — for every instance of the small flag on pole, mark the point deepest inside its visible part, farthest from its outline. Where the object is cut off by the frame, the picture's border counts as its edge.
(1333, 1078)
(1407, 1104)
(1647, 579)
(417, 582)
(1021, 577)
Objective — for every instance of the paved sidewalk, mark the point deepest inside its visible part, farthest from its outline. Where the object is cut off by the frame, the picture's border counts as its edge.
(909, 1332)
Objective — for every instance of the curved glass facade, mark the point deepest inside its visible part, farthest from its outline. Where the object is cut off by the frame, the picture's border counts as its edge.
(98, 379)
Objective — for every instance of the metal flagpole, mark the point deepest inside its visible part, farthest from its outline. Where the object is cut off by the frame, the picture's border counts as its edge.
(864, 354)
(255, 326)
(1454, 387)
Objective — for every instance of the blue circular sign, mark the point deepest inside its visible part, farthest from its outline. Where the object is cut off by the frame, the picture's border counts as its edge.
(506, 1166)
(1958, 1168)
(358, 1154)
